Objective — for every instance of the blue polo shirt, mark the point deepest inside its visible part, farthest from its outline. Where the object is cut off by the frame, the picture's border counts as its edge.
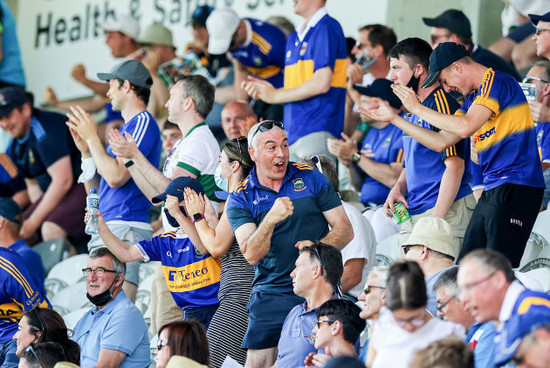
(481, 338)
(264, 55)
(311, 195)
(543, 141)
(118, 326)
(11, 180)
(425, 167)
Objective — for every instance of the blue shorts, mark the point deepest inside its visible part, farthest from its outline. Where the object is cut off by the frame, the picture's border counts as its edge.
(266, 314)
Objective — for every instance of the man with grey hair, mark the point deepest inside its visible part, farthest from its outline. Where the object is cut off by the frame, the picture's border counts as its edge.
(480, 336)
(281, 207)
(113, 333)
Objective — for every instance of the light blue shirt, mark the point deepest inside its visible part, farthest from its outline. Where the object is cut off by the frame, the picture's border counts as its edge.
(481, 338)
(118, 326)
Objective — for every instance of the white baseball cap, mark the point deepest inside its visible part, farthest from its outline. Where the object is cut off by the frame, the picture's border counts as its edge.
(221, 25)
(123, 23)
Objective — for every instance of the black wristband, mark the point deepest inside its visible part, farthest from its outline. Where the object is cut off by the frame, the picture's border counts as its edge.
(128, 163)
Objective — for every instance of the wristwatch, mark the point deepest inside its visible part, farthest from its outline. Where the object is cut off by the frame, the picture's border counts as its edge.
(355, 157)
(197, 217)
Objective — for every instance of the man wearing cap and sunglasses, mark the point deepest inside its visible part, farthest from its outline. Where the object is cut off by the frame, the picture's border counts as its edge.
(540, 111)
(124, 206)
(495, 112)
(280, 207)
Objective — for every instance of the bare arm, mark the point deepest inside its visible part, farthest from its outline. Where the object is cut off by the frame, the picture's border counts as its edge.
(110, 358)
(61, 173)
(316, 85)
(341, 231)
(450, 183)
(353, 273)
(21, 198)
(123, 251)
(79, 74)
(386, 174)
(397, 194)
(241, 75)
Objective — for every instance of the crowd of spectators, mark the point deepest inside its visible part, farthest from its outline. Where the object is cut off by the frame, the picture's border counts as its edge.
(277, 159)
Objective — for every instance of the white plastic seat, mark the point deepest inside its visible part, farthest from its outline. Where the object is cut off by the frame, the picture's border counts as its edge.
(146, 269)
(70, 269)
(52, 252)
(542, 225)
(52, 286)
(143, 296)
(71, 298)
(535, 244)
(72, 318)
(542, 275)
(387, 251)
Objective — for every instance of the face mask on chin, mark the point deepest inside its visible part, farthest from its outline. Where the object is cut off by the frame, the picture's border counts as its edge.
(413, 83)
(103, 298)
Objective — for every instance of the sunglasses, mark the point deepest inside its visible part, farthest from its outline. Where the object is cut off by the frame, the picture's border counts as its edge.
(368, 288)
(314, 247)
(268, 125)
(31, 349)
(540, 30)
(528, 79)
(4, 103)
(42, 327)
(406, 248)
(329, 321)
(160, 344)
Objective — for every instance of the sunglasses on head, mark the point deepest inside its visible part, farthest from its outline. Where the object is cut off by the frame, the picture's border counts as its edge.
(268, 125)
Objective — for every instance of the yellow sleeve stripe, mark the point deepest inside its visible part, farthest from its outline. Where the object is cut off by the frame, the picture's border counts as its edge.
(451, 151)
(8, 164)
(264, 72)
(530, 302)
(400, 156)
(487, 83)
(263, 45)
(441, 102)
(10, 268)
(302, 166)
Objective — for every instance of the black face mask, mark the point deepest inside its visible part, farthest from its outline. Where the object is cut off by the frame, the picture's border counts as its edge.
(413, 83)
(172, 221)
(101, 299)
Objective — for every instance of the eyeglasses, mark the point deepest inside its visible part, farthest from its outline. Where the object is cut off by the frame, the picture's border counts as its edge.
(472, 285)
(406, 248)
(99, 271)
(35, 310)
(314, 247)
(414, 321)
(359, 45)
(368, 288)
(31, 349)
(539, 30)
(329, 321)
(4, 103)
(529, 78)
(267, 125)
(440, 307)
(161, 344)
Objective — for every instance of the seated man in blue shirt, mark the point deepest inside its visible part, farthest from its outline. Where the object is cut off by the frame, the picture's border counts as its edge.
(11, 220)
(113, 333)
(315, 278)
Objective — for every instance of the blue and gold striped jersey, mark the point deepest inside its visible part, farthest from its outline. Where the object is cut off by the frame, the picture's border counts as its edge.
(264, 55)
(506, 144)
(19, 292)
(425, 167)
(543, 141)
(324, 45)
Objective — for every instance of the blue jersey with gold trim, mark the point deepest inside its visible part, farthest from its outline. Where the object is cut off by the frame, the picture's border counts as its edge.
(264, 56)
(324, 45)
(311, 195)
(19, 293)
(506, 144)
(425, 167)
(543, 141)
(384, 146)
(192, 278)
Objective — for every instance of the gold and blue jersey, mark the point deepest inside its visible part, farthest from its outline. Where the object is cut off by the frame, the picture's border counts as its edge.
(264, 55)
(311, 195)
(425, 167)
(19, 292)
(192, 278)
(506, 144)
(11, 180)
(324, 45)
(543, 141)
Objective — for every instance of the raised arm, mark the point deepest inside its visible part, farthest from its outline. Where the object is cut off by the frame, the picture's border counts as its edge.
(123, 251)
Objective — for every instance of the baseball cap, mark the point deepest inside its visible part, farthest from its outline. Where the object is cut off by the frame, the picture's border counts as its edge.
(444, 55)
(517, 327)
(200, 15)
(10, 98)
(157, 34)
(123, 23)
(10, 210)
(434, 233)
(176, 186)
(452, 19)
(131, 70)
(380, 88)
(221, 24)
(535, 19)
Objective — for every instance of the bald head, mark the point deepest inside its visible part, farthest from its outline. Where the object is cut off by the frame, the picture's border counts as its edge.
(237, 118)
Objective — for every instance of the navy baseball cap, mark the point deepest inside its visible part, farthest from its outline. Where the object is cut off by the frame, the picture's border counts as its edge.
(131, 70)
(10, 98)
(175, 188)
(200, 15)
(444, 55)
(380, 88)
(535, 19)
(452, 19)
(10, 210)
(517, 327)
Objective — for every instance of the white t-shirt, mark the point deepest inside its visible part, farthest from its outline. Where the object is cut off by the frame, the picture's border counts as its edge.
(363, 245)
(395, 347)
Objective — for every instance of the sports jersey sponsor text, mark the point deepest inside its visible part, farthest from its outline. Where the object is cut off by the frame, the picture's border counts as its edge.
(481, 137)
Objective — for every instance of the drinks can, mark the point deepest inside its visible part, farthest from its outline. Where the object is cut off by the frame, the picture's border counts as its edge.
(400, 214)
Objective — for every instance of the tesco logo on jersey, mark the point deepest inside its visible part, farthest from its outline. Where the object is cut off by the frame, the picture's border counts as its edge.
(481, 137)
